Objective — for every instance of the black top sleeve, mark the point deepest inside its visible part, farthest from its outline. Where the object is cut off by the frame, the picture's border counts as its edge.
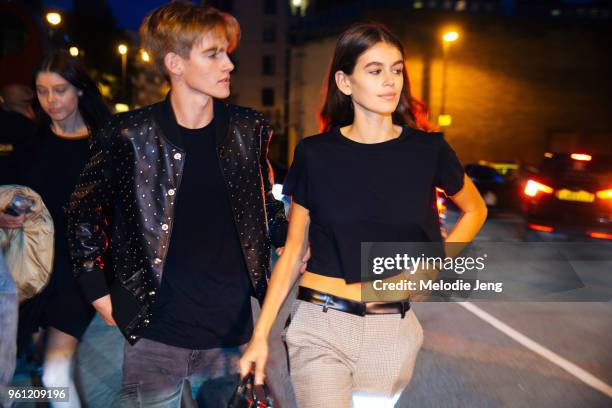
(449, 171)
(296, 181)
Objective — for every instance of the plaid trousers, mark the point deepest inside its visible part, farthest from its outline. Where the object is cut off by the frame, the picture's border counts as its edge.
(335, 356)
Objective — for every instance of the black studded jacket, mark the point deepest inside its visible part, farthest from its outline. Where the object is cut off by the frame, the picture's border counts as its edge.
(121, 213)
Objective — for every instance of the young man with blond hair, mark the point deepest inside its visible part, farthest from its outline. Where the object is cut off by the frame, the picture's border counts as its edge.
(173, 219)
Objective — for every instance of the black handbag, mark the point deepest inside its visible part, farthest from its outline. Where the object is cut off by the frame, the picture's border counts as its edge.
(247, 395)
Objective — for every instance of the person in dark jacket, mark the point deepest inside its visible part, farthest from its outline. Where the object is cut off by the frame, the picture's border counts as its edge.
(172, 222)
(17, 130)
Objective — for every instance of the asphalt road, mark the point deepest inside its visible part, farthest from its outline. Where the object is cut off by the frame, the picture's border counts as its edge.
(468, 362)
(477, 354)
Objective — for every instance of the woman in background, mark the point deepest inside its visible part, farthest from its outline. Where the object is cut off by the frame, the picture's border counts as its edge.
(72, 108)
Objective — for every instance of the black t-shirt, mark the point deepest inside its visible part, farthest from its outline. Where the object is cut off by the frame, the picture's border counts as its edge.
(381, 192)
(204, 300)
(51, 167)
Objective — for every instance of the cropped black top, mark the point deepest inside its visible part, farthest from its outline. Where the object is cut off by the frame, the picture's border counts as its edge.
(357, 192)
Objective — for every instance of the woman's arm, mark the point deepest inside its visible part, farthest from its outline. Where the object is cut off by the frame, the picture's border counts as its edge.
(285, 272)
(474, 213)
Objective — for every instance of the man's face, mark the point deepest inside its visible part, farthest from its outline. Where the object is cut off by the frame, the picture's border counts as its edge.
(207, 70)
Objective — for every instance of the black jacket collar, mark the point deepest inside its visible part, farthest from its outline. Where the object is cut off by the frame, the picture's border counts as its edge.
(164, 115)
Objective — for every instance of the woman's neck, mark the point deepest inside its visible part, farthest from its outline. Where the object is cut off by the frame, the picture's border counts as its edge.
(370, 127)
(72, 126)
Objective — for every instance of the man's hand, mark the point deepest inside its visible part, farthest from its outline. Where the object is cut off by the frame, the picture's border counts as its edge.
(279, 252)
(10, 221)
(104, 306)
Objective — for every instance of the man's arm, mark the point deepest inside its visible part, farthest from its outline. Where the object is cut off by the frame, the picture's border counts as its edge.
(275, 209)
(87, 216)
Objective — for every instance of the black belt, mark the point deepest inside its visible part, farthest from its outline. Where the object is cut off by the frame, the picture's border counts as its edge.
(351, 306)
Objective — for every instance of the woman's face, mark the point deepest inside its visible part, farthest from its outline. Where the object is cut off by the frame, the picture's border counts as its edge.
(377, 80)
(58, 97)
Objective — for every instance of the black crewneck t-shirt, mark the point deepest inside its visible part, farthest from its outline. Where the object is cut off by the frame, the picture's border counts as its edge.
(381, 192)
(204, 300)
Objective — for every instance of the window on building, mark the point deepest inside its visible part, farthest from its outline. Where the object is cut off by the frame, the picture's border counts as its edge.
(269, 7)
(269, 34)
(267, 96)
(268, 65)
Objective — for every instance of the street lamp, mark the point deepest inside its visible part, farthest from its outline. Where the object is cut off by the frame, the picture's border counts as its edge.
(448, 38)
(54, 18)
(74, 51)
(123, 49)
(145, 56)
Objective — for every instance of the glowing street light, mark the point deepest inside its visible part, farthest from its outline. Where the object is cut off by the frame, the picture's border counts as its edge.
(447, 39)
(450, 36)
(54, 18)
(122, 107)
(145, 56)
(123, 49)
(74, 51)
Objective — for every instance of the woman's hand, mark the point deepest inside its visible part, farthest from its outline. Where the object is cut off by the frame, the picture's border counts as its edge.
(279, 252)
(255, 353)
(10, 221)
(104, 306)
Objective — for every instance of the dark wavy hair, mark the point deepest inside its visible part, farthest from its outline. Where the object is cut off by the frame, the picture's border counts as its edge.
(337, 107)
(91, 106)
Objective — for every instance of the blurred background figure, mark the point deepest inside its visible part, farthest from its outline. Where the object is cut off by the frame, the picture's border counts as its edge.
(17, 98)
(16, 128)
(71, 108)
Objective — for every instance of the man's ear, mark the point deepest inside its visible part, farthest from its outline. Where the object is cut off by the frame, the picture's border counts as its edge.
(343, 83)
(174, 63)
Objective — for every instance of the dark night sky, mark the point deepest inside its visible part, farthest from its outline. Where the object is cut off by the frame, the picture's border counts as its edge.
(129, 14)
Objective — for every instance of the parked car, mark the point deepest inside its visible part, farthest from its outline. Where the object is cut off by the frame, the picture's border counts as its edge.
(497, 185)
(570, 194)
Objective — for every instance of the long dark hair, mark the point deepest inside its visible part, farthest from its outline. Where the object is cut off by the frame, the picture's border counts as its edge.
(337, 107)
(92, 108)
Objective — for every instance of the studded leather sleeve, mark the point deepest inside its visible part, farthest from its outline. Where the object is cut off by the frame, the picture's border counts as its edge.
(275, 209)
(87, 216)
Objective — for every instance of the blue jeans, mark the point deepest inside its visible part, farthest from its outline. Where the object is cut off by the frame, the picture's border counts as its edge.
(8, 327)
(155, 375)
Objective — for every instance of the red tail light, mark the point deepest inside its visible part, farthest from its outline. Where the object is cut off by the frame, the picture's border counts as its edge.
(533, 188)
(600, 235)
(604, 194)
(543, 228)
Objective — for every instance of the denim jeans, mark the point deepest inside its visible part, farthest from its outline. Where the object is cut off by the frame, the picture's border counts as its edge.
(8, 327)
(156, 375)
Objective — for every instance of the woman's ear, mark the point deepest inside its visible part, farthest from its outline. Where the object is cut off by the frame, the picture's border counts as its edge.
(343, 83)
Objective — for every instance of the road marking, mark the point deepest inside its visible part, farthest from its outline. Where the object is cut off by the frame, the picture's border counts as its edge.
(584, 376)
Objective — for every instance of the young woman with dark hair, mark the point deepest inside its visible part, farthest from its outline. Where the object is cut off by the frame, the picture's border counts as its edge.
(370, 177)
(70, 108)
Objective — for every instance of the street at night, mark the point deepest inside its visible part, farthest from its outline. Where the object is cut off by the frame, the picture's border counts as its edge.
(477, 354)
(305, 203)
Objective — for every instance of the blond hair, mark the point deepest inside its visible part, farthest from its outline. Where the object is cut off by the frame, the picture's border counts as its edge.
(177, 26)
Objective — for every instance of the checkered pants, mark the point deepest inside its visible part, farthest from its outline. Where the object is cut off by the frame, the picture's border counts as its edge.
(336, 355)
